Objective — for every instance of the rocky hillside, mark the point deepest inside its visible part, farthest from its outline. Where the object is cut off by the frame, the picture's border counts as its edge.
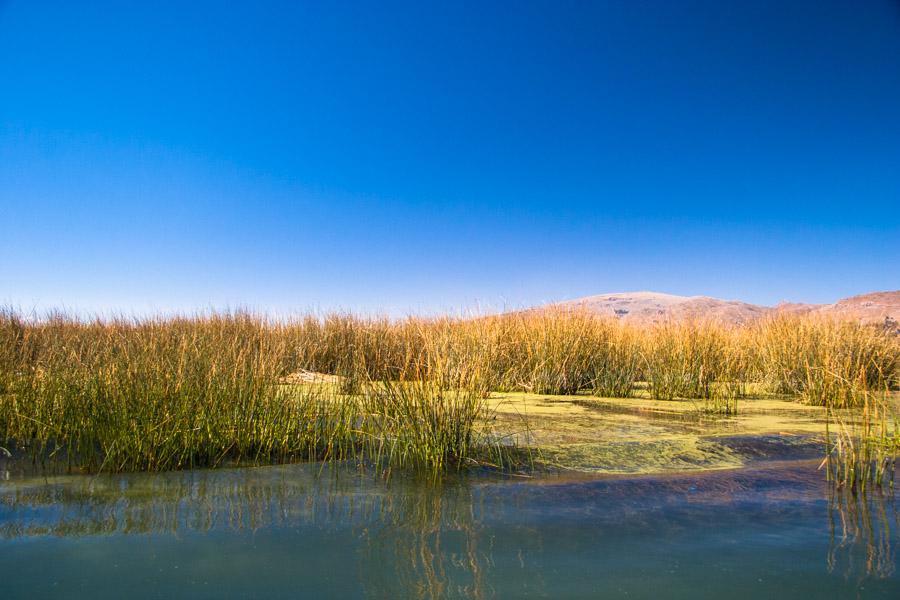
(653, 307)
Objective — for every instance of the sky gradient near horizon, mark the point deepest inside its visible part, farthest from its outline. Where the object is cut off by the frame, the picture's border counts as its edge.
(405, 157)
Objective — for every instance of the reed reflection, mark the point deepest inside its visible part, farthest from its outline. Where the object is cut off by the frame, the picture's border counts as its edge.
(863, 534)
(475, 538)
(410, 538)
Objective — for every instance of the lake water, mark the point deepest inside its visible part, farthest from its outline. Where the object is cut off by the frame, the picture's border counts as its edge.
(765, 531)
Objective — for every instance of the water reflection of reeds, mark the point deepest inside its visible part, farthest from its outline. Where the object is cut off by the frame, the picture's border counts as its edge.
(464, 538)
(435, 543)
(418, 539)
(863, 534)
(173, 504)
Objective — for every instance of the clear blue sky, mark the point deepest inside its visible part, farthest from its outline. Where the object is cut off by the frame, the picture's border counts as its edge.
(404, 157)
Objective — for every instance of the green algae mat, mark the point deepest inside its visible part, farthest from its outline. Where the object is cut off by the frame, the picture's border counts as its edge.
(587, 434)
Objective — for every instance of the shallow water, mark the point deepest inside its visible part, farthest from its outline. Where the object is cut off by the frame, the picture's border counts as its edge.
(290, 531)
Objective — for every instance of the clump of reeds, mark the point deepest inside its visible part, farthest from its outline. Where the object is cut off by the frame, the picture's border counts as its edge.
(618, 361)
(155, 394)
(733, 376)
(160, 394)
(356, 349)
(823, 361)
(423, 425)
(552, 352)
(557, 351)
(862, 443)
(459, 354)
(687, 360)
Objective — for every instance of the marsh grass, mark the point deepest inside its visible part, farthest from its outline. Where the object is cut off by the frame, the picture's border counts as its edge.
(569, 351)
(862, 444)
(156, 394)
(825, 362)
(422, 425)
(552, 352)
(676, 364)
(723, 400)
(125, 395)
(618, 361)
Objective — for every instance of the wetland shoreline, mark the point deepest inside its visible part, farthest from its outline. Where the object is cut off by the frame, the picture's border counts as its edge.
(560, 388)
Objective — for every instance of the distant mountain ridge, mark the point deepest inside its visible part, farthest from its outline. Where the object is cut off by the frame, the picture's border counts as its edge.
(655, 307)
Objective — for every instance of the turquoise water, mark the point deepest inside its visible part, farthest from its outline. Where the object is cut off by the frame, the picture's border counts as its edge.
(292, 532)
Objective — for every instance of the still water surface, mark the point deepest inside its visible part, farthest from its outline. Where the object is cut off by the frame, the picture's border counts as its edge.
(769, 531)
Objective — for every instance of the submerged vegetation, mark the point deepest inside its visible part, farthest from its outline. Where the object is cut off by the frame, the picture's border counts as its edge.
(168, 393)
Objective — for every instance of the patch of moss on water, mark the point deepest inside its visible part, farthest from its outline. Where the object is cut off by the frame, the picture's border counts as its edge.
(648, 456)
(641, 435)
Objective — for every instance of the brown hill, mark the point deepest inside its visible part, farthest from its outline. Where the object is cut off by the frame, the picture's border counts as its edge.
(654, 307)
(870, 308)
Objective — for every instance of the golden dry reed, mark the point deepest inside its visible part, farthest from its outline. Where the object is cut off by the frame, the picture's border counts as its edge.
(165, 393)
(862, 442)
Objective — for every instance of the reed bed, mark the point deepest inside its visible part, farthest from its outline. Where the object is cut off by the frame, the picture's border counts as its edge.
(862, 444)
(572, 351)
(125, 395)
(155, 393)
(826, 362)
(425, 425)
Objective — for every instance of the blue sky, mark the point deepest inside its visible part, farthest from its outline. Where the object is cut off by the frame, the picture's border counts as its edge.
(403, 158)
